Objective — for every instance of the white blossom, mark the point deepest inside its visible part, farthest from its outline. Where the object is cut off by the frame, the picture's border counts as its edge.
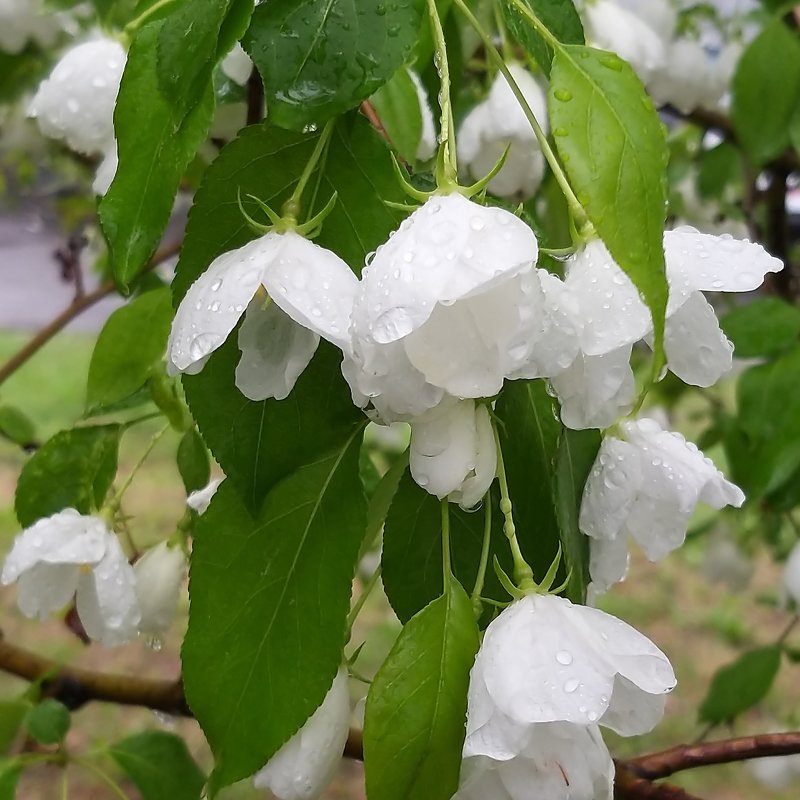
(560, 761)
(452, 305)
(306, 764)
(610, 26)
(545, 660)
(646, 485)
(453, 452)
(499, 121)
(70, 554)
(237, 65)
(427, 140)
(310, 292)
(76, 102)
(24, 20)
(791, 574)
(200, 499)
(159, 577)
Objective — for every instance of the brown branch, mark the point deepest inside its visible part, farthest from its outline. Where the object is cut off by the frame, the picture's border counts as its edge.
(628, 785)
(77, 307)
(677, 759)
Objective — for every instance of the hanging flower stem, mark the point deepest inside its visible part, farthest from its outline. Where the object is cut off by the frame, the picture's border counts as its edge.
(575, 207)
(487, 539)
(447, 569)
(291, 208)
(137, 23)
(523, 574)
(362, 599)
(447, 163)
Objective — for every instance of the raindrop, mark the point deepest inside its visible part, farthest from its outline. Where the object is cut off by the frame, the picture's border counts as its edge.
(216, 285)
(571, 685)
(563, 94)
(564, 657)
(477, 224)
(560, 132)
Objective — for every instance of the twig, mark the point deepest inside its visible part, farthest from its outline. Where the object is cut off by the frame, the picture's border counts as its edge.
(77, 307)
(629, 785)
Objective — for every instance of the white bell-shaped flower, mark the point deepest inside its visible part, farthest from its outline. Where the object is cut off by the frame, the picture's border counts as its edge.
(306, 764)
(453, 301)
(237, 65)
(545, 660)
(498, 122)
(791, 574)
(106, 170)
(646, 486)
(427, 140)
(76, 102)
(310, 294)
(24, 20)
(453, 452)
(610, 26)
(159, 577)
(71, 554)
(687, 80)
(560, 761)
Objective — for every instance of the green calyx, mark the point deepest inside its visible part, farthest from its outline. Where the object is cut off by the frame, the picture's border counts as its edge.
(287, 220)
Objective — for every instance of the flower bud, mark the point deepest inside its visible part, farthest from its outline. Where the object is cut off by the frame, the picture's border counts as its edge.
(159, 575)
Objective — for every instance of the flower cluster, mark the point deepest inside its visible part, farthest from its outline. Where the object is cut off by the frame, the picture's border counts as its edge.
(76, 102)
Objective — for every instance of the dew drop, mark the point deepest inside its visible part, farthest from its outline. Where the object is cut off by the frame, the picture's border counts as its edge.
(564, 657)
(563, 94)
(571, 685)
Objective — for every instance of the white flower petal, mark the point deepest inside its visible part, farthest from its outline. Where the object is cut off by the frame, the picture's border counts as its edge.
(216, 301)
(698, 352)
(46, 588)
(237, 65)
(453, 452)
(106, 599)
(704, 262)
(106, 171)
(613, 312)
(608, 564)
(631, 711)
(313, 286)
(596, 390)
(159, 576)
(66, 537)
(76, 102)
(306, 764)
(275, 351)
(427, 139)
(791, 574)
(201, 499)
(447, 250)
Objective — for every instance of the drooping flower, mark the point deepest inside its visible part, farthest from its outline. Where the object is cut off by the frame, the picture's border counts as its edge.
(306, 764)
(613, 316)
(200, 499)
(544, 661)
(453, 452)
(646, 485)
(70, 554)
(159, 576)
(76, 102)
(237, 65)
(453, 305)
(310, 293)
(611, 26)
(560, 761)
(498, 122)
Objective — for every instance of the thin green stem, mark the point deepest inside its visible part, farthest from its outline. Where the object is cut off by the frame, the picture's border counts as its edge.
(362, 599)
(447, 126)
(64, 785)
(505, 47)
(523, 574)
(575, 207)
(115, 501)
(447, 569)
(487, 540)
(137, 23)
(291, 207)
(541, 28)
(103, 776)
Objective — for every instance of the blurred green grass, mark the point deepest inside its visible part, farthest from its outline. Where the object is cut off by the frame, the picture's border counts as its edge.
(699, 626)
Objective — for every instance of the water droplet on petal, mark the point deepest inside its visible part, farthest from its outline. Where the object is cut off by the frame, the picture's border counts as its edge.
(564, 657)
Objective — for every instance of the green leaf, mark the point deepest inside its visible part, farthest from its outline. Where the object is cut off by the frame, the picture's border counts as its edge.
(765, 327)
(613, 148)
(193, 463)
(319, 58)
(270, 598)
(12, 713)
(382, 497)
(160, 766)
(412, 549)
(764, 444)
(416, 706)
(766, 90)
(16, 426)
(397, 106)
(48, 722)
(74, 469)
(559, 16)
(132, 341)
(740, 685)
(156, 143)
(10, 770)
(718, 169)
(20, 72)
(192, 40)
(259, 443)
